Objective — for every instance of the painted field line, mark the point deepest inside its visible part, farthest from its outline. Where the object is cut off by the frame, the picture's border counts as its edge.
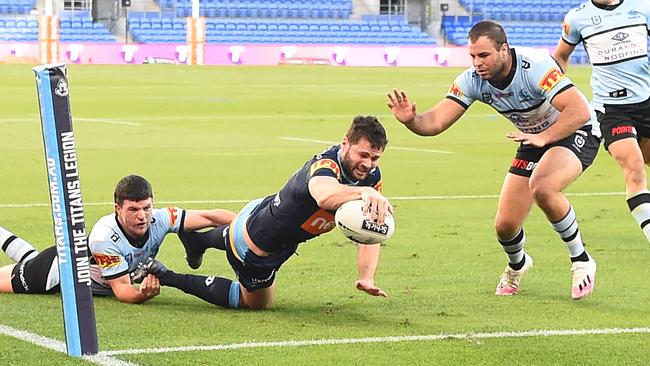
(392, 339)
(58, 346)
(395, 198)
(389, 147)
(109, 121)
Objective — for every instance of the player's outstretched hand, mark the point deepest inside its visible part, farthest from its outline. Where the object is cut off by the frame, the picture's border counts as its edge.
(527, 138)
(402, 108)
(369, 288)
(150, 286)
(376, 205)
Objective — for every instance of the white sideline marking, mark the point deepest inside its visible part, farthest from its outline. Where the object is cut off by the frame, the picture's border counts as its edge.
(58, 346)
(435, 337)
(396, 198)
(389, 147)
(111, 121)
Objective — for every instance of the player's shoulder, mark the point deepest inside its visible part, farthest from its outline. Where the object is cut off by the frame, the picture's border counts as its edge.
(579, 10)
(327, 159)
(104, 228)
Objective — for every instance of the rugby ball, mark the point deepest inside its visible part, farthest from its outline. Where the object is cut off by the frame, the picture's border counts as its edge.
(354, 224)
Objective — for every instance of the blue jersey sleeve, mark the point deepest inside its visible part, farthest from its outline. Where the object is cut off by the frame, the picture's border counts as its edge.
(570, 30)
(547, 77)
(109, 259)
(171, 219)
(462, 90)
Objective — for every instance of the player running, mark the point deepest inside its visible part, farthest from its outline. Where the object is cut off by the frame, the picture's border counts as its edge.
(558, 138)
(615, 35)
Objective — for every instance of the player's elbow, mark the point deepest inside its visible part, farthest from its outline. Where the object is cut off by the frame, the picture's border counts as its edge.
(326, 202)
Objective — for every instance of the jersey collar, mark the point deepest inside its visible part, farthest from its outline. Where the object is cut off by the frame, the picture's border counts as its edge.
(511, 74)
(136, 242)
(607, 7)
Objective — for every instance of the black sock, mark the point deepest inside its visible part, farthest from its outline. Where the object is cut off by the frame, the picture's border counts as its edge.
(518, 266)
(581, 258)
(206, 239)
(215, 290)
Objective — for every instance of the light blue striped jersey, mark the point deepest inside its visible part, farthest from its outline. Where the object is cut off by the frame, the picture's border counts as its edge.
(534, 80)
(114, 256)
(616, 40)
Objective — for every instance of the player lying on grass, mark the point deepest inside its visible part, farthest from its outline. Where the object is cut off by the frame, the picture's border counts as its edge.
(121, 243)
(267, 231)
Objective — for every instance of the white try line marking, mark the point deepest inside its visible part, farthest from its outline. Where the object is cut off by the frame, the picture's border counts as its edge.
(395, 198)
(393, 339)
(389, 147)
(109, 121)
(36, 119)
(58, 346)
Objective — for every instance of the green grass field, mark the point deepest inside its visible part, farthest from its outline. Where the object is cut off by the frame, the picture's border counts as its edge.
(217, 137)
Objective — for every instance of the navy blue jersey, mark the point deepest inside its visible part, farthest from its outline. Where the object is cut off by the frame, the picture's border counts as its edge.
(292, 216)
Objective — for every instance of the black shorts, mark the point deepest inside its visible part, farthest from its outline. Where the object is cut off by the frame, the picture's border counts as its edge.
(624, 121)
(255, 272)
(582, 143)
(30, 277)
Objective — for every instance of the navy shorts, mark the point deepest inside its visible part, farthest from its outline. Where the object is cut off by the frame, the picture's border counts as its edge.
(582, 143)
(253, 271)
(624, 121)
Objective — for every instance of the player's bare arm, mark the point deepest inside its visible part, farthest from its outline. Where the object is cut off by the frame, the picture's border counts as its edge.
(126, 292)
(200, 219)
(430, 123)
(562, 53)
(330, 195)
(574, 112)
(367, 260)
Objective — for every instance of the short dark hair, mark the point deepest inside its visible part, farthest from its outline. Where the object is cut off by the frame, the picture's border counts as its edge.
(367, 127)
(133, 188)
(490, 29)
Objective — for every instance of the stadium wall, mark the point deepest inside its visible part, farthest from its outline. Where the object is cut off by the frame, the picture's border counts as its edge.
(335, 55)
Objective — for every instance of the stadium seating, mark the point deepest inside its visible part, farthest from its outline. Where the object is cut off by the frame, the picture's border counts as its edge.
(530, 23)
(16, 7)
(318, 9)
(164, 28)
(74, 27)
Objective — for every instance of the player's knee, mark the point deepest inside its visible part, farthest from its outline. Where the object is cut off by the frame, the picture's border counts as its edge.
(543, 191)
(506, 229)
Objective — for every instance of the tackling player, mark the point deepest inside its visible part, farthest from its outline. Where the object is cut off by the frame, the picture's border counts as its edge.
(615, 35)
(267, 231)
(121, 243)
(558, 140)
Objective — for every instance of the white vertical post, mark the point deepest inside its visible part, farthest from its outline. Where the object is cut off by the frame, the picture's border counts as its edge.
(195, 9)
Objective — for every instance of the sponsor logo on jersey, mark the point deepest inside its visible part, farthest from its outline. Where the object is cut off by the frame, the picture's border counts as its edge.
(107, 261)
(499, 95)
(620, 36)
(525, 64)
(596, 20)
(523, 164)
(173, 216)
(622, 130)
(320, 222)
(551, 78)
(325, 164)
(456, 91)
